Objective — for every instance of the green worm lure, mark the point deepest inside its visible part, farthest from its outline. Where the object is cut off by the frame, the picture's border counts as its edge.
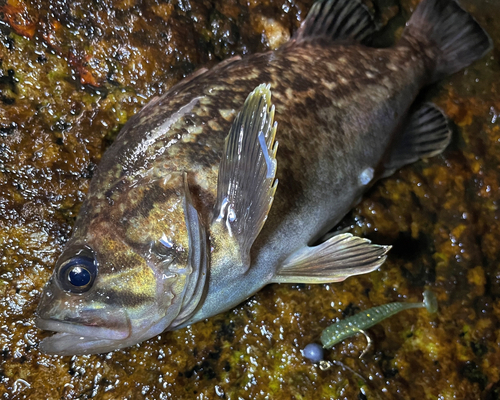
(350, 326)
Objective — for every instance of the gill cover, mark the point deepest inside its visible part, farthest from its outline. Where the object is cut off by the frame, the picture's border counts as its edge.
(197, 260)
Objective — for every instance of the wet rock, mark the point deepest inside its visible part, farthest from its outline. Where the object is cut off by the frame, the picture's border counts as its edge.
(72, 73)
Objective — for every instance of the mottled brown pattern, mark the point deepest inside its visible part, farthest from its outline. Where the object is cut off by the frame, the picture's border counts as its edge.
(311, 69)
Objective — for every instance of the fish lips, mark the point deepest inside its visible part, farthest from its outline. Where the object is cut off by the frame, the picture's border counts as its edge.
(75, 337)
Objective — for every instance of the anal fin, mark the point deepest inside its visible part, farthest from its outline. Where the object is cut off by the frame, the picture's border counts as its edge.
(338, 258)
(426, 135)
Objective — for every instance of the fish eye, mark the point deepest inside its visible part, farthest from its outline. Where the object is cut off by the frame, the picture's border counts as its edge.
(77, 274)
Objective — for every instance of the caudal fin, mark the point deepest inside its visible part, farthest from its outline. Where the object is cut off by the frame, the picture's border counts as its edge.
(456, 38)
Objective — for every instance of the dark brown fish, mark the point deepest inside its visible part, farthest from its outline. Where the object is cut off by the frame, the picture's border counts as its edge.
(172, 230)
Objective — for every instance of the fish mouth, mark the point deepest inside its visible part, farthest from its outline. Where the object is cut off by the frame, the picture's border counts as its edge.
(74, 338)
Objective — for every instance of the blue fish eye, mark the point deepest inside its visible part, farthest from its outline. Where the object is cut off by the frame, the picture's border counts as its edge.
(77, 274)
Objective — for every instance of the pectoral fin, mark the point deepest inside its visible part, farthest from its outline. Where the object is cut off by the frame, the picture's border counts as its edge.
(246, 184)
(338, 258)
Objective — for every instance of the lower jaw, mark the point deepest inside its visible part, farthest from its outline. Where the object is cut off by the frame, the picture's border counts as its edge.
(67, 344)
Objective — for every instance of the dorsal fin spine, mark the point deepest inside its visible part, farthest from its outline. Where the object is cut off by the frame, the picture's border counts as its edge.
(343, 20)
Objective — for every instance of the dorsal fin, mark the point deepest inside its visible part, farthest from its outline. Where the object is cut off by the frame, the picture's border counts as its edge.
(347, 20)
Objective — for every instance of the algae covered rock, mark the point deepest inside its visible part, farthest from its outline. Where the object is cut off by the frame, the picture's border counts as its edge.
(72, 73)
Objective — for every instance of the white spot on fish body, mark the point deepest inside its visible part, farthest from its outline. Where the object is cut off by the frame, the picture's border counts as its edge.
(212, 124)
(228, 115)
(213, 90)
(366, 176)
(195, 130)
(392, 67)
(332, 67)
(188, 137)
(329, 85)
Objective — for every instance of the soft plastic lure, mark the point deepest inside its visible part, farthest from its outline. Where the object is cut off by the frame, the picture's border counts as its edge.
(350, 326)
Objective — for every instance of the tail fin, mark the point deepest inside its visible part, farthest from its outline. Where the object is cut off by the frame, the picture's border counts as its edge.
(457, 38)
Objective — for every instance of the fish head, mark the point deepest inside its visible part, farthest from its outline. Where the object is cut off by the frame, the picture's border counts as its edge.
(131, 270)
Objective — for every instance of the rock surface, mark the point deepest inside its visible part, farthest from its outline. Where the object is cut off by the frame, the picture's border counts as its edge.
(72, 73)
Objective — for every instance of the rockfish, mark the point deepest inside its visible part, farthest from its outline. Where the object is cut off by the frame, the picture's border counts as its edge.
(185, 217)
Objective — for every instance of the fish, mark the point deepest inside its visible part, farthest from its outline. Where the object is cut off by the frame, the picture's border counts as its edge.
(194, 208)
